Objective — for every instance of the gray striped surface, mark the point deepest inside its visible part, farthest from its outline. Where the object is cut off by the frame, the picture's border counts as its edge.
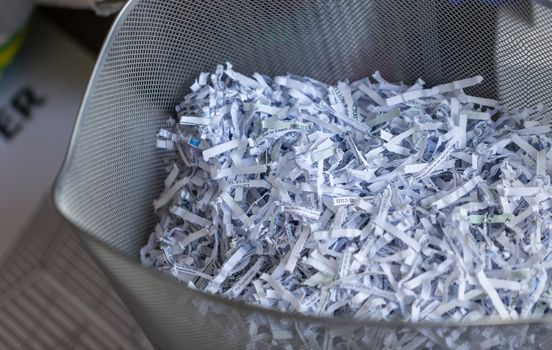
(52, 296)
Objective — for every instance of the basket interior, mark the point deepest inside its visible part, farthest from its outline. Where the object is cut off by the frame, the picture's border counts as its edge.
(158, 47)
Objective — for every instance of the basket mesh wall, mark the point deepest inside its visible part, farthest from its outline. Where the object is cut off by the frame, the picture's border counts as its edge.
(158, 47)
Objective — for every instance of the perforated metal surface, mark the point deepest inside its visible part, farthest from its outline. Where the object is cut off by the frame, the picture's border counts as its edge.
(157, 47)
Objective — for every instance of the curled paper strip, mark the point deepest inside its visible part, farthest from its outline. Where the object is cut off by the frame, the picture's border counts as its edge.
(368, 199)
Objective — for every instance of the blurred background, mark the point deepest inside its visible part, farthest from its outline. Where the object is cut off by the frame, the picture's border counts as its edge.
(52, 296)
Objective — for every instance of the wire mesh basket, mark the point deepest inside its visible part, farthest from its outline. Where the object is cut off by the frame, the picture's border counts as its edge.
(156, 48)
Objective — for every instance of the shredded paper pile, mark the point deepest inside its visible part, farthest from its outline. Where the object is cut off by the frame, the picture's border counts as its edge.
(366, 200)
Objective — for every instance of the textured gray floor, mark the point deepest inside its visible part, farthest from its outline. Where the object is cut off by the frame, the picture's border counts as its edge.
(52, 296)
